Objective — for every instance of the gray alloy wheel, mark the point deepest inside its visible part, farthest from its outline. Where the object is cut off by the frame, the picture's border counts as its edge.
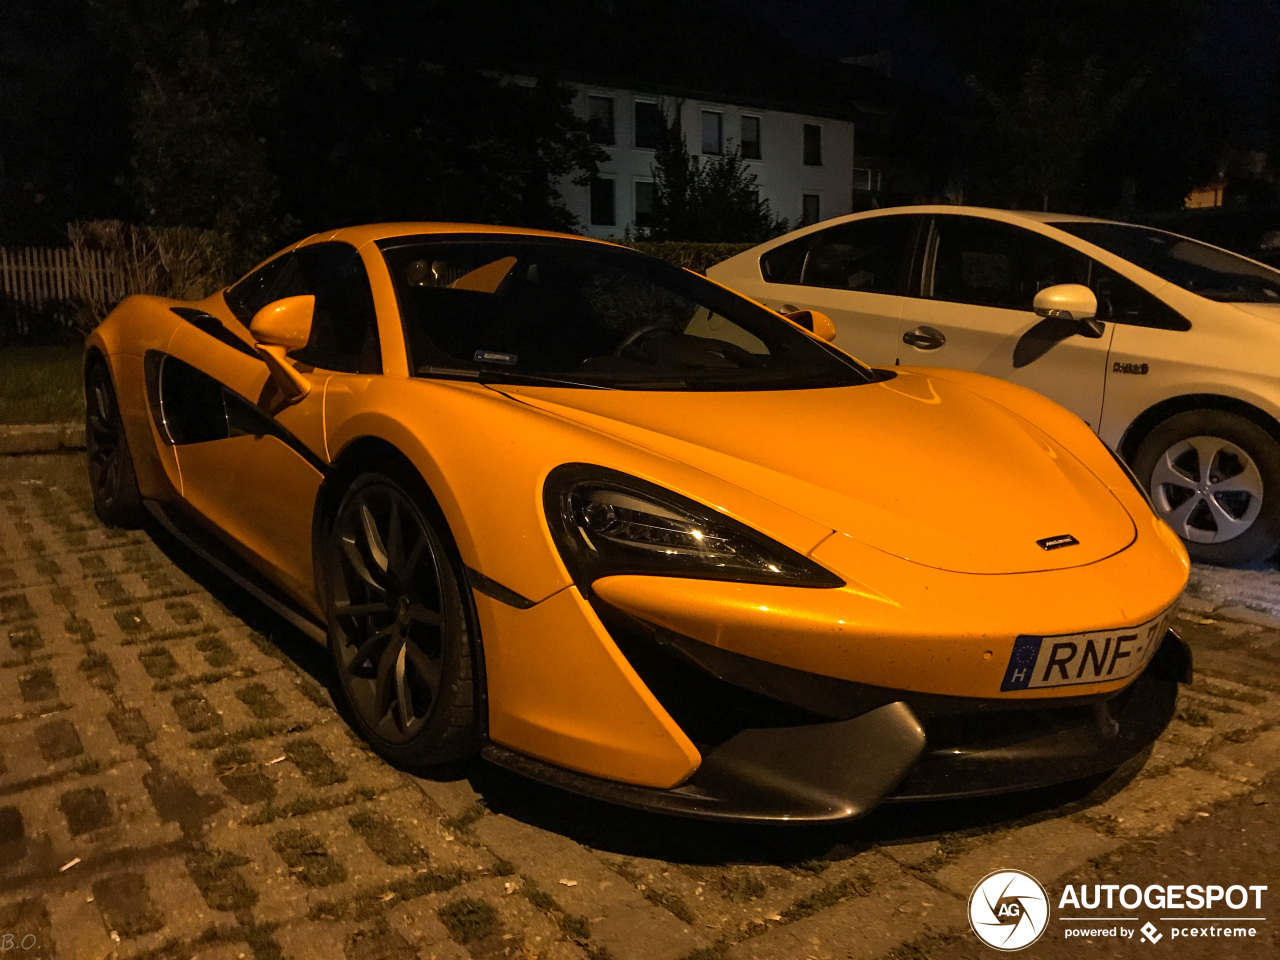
(1214, 477)
(112, 481)
(398, 628)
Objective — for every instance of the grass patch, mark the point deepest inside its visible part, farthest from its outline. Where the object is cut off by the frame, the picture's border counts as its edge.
(216, 652)
(41, 384)
(158, 662)
(469, 919)
(372, 900)
(220, 883)
(258, 730)
(922, 947)
(716, 951)
(673, 903)
(232, 758)
(815, 866)
(386, 839)
(194, 712)
(743, 888)
(826, 897)
(314, 763)
(88, 766)
(313, 692)
(307, 857)
(262, 703)
(1194, 717)
(503, 867)
(270, 812)
(467, 817)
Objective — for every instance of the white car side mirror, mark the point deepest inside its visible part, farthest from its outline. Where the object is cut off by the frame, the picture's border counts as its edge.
(1071, 302)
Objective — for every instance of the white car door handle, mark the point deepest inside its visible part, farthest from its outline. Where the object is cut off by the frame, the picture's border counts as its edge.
(925, 338)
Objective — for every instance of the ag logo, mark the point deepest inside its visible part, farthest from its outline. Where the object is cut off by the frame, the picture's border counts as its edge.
(1008, 910)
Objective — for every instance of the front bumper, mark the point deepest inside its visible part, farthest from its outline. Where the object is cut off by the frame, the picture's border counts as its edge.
(899, 746)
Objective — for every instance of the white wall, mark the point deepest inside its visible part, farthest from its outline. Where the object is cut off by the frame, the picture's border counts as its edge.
(781, 173)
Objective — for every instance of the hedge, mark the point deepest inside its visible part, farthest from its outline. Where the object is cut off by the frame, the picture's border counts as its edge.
(687, 253)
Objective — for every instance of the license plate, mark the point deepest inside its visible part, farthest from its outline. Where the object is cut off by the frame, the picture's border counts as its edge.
(1078, 658)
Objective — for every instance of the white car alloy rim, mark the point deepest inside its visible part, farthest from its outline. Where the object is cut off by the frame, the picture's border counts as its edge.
(1207, 489)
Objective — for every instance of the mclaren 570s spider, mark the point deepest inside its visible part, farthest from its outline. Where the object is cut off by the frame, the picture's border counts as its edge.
(613, 526)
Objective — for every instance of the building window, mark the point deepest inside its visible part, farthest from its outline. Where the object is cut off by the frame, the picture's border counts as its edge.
(712, 132)
(648, 124)
(750, 142)
(864, 179)
(812, 145)
(603, 203)
(600, 119)
(644, 196)
(810, 209)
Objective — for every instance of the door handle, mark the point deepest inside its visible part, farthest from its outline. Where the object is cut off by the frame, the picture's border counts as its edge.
(925, 338)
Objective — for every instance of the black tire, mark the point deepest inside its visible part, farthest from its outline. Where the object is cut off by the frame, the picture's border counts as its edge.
(399, 630)
(1215, 478)
(112, 480)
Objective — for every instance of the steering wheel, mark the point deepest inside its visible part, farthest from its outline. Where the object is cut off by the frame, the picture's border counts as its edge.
(638, 334)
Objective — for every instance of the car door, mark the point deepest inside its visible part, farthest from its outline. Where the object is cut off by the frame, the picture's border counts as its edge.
(855, 272)
(251, 459)
(974, 312)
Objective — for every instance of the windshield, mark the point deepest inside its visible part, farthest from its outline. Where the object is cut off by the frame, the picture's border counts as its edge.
(1198, 267)
(527, 309)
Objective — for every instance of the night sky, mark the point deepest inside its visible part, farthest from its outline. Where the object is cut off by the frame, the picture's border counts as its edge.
(1239, 51)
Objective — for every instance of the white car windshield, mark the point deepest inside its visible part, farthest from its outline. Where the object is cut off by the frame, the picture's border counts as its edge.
(1212, 273)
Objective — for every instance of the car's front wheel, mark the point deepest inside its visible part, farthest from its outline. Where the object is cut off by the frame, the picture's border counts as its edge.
(1215, 479)
(112, 482)
(398, 627)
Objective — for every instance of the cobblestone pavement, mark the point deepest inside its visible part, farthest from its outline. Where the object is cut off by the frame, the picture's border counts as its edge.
(175, 782)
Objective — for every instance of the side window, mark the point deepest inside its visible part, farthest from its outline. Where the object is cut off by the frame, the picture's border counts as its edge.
(255, 291)
(1120, 300)
(994, 264)
(344, 332)
(873, 256)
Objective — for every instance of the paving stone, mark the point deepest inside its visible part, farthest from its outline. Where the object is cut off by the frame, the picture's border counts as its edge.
(1046, 850)
(1250, 761)
(1152, 807)
(629, 925)
(859, 928)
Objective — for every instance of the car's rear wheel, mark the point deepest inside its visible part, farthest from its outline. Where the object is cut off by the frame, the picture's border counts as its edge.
(1215, 479)
(112, 481)
(398, 627)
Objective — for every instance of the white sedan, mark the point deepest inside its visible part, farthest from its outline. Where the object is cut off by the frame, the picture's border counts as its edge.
(1167, 347)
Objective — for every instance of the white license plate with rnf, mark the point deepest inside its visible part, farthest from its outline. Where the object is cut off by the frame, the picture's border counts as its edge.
(1079, 658)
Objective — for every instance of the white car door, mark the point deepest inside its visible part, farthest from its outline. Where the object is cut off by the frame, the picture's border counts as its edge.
(856, 273)
(974, 312)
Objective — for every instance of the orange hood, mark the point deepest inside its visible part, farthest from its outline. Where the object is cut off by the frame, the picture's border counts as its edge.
(916, 466)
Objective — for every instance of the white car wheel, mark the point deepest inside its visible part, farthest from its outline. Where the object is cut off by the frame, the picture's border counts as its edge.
(1214, 477)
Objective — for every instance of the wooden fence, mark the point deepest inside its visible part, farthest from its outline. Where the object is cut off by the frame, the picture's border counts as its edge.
(37, 276)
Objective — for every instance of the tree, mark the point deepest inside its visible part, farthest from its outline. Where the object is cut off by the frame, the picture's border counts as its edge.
(272, 119)
(707, 199)
(1063, 93)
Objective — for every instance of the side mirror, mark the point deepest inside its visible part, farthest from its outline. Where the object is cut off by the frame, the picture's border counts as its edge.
(278, 328)
(1071, 302)
(815, 321)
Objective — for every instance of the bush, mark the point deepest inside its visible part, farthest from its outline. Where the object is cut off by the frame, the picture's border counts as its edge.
(112, 260)
(687, 253)
(24, 325)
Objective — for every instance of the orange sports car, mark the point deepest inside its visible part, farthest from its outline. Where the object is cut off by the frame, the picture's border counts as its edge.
(614, 526)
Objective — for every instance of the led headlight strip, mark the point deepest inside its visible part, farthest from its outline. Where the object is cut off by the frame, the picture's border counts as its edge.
(605, 522)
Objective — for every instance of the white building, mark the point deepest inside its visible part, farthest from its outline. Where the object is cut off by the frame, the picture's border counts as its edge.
(803, 164)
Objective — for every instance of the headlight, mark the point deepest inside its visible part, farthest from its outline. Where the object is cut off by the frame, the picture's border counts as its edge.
(605, 522)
